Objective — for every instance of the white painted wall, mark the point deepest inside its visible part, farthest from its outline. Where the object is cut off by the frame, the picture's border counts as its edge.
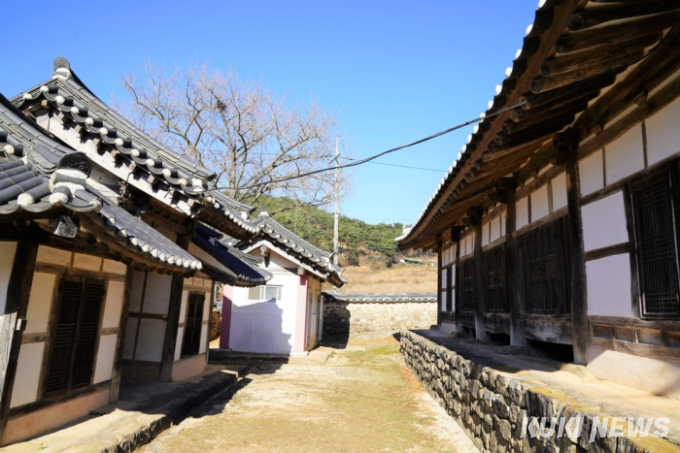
(559, 191)
(7, 252)
(540, 204)
(40, 302)
(103, 369)
(49, 255)
(115, 293)
(157, 296)
(265, 326)
(604, 222)
(522, 210)
(87, 262)
(28, 374)
(663, 133)
(625, 156)
(150, 341)
(591, 173)
(609, 286)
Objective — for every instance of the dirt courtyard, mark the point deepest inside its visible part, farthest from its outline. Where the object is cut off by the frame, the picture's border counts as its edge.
(358, 398)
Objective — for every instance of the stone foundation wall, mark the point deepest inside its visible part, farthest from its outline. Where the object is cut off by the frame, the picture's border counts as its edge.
(491, 405)
(344, 318)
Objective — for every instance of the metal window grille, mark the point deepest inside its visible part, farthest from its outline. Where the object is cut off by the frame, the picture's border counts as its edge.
(468, 285)
(545, 267)
(192, 327)
(657, 248)
(496, 290)
(71, 359)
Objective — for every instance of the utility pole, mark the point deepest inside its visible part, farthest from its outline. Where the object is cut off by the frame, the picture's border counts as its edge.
(337, 196)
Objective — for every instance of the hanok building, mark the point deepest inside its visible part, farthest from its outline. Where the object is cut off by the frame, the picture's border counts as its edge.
(558, 223)
(106, 272)
(286, 315)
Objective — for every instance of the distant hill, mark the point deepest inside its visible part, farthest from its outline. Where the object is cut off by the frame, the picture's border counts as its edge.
(358, 239)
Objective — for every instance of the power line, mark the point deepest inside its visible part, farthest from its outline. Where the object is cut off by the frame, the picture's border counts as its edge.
(375, 156)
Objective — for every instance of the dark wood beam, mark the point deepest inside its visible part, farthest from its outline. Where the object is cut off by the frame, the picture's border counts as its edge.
(612, 34)
(588, 88)
(480, 278)
(592, 57)
(566, 145)
(117, 371)
(513, 271)
(174, 311)
(543, 84)
(660, 65)
(596, 16)
(14, 322)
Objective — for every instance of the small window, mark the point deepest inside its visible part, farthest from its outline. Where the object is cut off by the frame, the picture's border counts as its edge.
(192, 327)
(265, 293)
(74, 338)
(656, 243)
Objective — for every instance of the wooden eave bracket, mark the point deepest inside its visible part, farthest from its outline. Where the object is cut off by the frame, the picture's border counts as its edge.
(566, 145)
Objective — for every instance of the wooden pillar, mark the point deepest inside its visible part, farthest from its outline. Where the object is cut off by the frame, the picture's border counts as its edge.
(14, 322)
(172, 326)
(514, 278)
(480, 288)
(439, 281)
(120, 340)
(566, 145)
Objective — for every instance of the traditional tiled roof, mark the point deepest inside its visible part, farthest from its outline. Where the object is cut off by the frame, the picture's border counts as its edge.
(317, 259)
(68, 95)
(380, 297)
(244, 267)
(40, 177)
(553, 88)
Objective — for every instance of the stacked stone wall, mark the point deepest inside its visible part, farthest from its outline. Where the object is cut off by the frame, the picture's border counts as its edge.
(344, 318)
(491, 405)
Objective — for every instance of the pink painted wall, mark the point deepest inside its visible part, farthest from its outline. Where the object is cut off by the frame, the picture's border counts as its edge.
(228, 295)
(301, 316)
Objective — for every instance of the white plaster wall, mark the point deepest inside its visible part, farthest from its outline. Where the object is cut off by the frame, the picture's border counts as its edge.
(40, 302)
(87, 262)
(559, 191)
(663, 133)
(265, 326)
(178, 343)
(157, 297)
(7, 252)
(609, 286)
(444, 278)
(604, 222)
(183, 307)
(591, 173)
(495, 232)
(522, 210)
(28, 374)
(207, 308)
(49, 255)
(444, 293)
(204, 339)
(540, 206)
(625, 156)
(115, 293)
(103, 369)
(114, 267)
(150, 341)
(486, 232)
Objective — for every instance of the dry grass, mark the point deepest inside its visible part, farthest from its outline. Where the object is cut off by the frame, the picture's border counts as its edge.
(398, 279)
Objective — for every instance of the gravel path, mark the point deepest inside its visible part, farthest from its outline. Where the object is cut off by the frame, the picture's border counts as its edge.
(357, 398)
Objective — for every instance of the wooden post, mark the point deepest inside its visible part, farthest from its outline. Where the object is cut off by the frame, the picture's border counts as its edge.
(566, 146)
(439, 281)
(480, 287)
(513, 269)
(14, 322)
(120, 340)
(172, 326)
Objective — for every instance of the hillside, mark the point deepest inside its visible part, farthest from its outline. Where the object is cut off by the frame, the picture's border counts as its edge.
(359, 240)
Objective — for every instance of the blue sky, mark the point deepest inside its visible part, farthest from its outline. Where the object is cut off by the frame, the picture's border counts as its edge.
(391, 71)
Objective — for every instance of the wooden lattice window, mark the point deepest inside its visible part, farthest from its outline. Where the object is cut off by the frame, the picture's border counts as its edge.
(467, 279)
(496, 290)
(545, 264)
(192, 327)
(73, 342)
(656, 240)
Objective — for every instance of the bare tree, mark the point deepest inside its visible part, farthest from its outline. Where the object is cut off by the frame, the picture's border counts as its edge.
(238, 129)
